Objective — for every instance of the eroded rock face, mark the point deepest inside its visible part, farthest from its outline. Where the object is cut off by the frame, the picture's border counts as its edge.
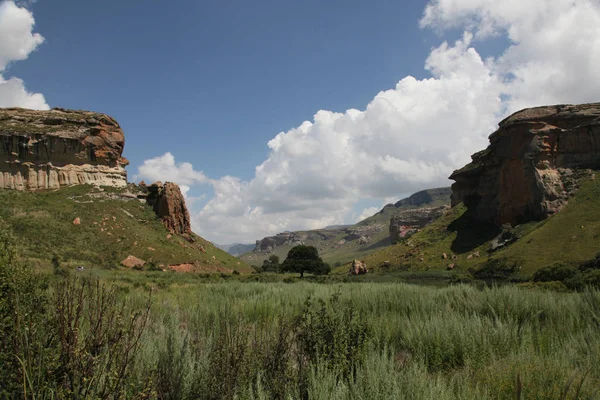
(169, 204)
(358, 268)
(50, 149)
(408, 222)
(529, 170)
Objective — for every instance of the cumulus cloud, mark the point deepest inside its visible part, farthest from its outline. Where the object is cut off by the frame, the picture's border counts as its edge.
(412, 136)
(17, 41)
(164, 168)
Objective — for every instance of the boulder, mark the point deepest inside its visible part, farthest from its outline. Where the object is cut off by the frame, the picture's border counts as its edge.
(358, 268)
(532, 165)
(133, 262)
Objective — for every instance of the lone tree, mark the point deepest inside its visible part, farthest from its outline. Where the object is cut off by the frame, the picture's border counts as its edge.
(303, 259)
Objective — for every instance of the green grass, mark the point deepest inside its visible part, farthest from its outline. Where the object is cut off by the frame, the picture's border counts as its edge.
(570, 236)
(111, 228)
(423, 342)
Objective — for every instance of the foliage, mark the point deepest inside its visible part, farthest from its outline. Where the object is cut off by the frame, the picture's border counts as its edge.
(333, 334)
(22, 309)
(495, 269)
(271, 264)
(303, 259)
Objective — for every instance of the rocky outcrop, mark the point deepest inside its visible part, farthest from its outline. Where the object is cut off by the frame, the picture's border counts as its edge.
(169, 204)
(50, 149)
(408, 222)
(531, 166)
(358, 268)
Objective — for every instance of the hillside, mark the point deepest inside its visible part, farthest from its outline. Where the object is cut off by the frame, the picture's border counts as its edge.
(571, 236)
(529, 200)
(338, 245)
(236, 249)
(113, 224)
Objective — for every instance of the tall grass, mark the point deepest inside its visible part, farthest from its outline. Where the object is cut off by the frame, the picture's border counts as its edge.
(361, 341)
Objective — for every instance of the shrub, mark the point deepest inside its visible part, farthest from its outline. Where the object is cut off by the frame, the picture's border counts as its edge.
(495, 269)
(569, 276)
(333, 334)
(22, 310)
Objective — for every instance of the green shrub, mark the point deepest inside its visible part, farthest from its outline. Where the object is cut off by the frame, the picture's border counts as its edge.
(332, 333)
(496, 269)
(569, 276)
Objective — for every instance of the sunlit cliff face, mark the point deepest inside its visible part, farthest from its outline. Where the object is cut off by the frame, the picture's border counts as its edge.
(50, 149)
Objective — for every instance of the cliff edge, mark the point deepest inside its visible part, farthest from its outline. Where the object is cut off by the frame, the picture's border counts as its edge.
(531, 166)
(51, 149)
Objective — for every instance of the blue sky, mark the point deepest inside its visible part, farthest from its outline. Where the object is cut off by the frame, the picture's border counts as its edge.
(214, 81)
(277, 115)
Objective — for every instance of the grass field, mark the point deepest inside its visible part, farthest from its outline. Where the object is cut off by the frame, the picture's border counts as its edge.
(234, 339)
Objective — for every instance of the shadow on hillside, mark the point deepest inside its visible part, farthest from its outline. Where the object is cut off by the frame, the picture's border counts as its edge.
(471, 234)
(382, 243)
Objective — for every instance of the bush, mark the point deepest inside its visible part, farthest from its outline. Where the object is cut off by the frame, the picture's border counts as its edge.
(569, 276)
(22, 311)
(497, 269)
(333, 334)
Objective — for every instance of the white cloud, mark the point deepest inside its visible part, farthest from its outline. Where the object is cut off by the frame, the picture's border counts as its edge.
(17, 41)
(164, 168)
(411, 137)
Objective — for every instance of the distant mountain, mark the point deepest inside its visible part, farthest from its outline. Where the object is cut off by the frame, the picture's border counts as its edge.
(236, 249)
(342, 243)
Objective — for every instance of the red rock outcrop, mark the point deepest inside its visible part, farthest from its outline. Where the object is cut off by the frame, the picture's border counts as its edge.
(358, 268)
(529, 170)
(50, 149)
(169, 204)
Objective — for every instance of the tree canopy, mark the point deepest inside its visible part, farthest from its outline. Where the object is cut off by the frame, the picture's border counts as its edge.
(303, 259)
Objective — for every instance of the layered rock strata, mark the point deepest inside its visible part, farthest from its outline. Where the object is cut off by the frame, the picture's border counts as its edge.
(50, 149)
(529, 170)
(169, 205)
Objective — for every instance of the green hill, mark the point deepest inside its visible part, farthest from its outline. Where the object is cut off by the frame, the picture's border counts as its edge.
(339, 245)
(571, 236)
(113, 225)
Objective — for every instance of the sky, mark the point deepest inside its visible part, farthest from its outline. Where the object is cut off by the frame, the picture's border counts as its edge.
(283, 115)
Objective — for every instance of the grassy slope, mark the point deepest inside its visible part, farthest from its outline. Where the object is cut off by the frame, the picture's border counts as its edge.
(332, 253)
(571, 236)
(110, 230)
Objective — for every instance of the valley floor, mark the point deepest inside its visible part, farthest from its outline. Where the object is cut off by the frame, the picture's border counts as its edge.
(248, 340)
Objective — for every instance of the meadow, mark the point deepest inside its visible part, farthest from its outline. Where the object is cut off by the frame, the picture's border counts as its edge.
(121, 335)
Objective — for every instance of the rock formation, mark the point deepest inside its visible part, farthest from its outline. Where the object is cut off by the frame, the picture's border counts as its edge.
(169, 204)
(408, 222)
(55, 148)
(358, 268)
(529, 170)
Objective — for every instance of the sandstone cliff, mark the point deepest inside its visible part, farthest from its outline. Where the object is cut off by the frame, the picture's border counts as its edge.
(169, 204)
(528, 171)
(55, 148)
